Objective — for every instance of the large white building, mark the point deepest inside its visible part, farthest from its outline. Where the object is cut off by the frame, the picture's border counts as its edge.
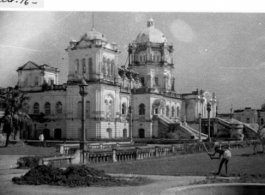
(146, 83)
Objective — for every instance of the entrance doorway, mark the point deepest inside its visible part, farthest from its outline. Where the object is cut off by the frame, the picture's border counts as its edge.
(141, 133)
(109, 131)
(57, 134)
(46, 133)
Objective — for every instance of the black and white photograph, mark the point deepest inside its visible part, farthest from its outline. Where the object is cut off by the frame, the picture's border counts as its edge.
(134, 98)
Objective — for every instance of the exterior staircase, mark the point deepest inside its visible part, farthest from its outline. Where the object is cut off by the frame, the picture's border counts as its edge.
(186, 131)
(192, 132)
(233, 124)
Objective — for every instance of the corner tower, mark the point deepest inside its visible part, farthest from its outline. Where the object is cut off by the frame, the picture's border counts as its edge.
(151, 56)
(92, 58)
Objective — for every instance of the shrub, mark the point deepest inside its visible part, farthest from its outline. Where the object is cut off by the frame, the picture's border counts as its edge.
(237, 136)
(172, 135)
(28, 162)
(74, 176)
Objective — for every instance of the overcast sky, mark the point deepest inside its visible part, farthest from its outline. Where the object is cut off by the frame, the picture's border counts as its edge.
(219, 52)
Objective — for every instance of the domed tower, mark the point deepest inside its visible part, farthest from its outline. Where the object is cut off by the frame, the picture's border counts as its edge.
(151, 56)
(92, 58)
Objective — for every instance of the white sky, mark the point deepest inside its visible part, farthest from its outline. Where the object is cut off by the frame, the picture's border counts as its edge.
(222, 53)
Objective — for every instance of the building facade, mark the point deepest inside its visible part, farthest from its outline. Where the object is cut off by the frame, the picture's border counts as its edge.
(146, 83)
(250, 115)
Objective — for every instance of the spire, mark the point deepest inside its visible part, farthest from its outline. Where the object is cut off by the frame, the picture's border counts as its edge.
(93, 21)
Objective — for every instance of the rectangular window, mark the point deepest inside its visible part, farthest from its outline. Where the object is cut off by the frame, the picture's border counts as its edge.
(36, 81)
(84, 66)
(248, 121)
(156, 81)
(142, 81)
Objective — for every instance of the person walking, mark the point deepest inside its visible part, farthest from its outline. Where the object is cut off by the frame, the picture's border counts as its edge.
(226, 153)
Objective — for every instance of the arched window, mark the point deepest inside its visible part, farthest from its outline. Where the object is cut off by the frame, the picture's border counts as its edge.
(167, 111)
(59, 108)
(172, 111)
(90, 67)
(123, 109)
(88, 109)
(76, 66)
(36, 108)
(47, 108)
(109, 132)
(112, 67)
(84, 65)
(104, 67)
(124, 133)
(156, 110)
(79, 109)
(142, 81)
(156, 81)
(178, 112)
(108, 67)
(141, 109)
(109, 107)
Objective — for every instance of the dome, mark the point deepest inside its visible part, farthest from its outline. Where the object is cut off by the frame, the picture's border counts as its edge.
(151, 34)
(93, 34)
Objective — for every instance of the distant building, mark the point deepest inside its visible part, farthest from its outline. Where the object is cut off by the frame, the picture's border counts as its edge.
(147, 84)
(242, 121)
(250, 115)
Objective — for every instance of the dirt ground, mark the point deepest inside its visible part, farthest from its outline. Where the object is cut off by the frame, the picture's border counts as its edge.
(166, 172)
(8, 171)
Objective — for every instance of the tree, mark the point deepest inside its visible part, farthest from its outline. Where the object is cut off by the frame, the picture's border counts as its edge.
(15, 119)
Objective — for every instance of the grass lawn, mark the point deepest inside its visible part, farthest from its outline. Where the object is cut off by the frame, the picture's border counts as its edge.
(19, 149)
(242, 162)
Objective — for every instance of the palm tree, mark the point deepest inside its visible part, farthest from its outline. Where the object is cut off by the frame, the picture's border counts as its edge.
(15, 119)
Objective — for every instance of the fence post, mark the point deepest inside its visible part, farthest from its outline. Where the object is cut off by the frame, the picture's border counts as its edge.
(61, 149)
(44, 143)
(156, 151)
(173, 148)
(86, 157)
(137, 154)
(114, 155)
